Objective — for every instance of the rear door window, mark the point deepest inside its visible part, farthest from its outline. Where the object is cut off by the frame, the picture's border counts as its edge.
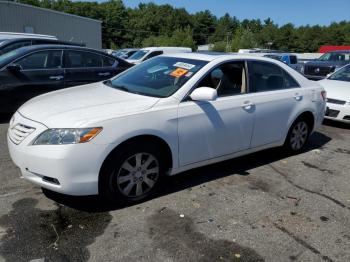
(265, 76)
(74, 59)
(80, 59)
(107, 61)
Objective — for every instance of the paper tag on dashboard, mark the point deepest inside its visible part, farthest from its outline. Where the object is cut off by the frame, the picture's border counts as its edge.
(178, 72)
(184, 65)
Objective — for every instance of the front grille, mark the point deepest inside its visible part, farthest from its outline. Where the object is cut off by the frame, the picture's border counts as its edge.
(332, 113)
(318, 70)
(336, 101)
(19, 132)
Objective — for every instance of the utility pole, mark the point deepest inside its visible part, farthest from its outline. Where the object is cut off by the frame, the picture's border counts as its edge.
(228, 46)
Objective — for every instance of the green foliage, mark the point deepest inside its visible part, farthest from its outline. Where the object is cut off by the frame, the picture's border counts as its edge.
(163, 25)
(180, 37)
(219, 46)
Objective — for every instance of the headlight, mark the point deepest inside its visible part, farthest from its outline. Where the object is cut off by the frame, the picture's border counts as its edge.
(64, 136)
(302, 69)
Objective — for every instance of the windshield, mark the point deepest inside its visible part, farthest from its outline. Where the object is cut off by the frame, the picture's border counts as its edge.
(139, 54)
(342, 74)
(157, 77)
(336, 56)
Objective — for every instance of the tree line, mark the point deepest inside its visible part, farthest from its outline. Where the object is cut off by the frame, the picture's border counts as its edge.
(163, 25)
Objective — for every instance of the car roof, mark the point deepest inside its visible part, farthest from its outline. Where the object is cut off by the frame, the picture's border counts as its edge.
(213, 56)
(340, 51)
(13, 35)
(155, 48)
(53, 46)
(48, 40)
(127, 49)
(280, 54)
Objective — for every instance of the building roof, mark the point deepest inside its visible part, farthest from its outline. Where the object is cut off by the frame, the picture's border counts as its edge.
(48, 10)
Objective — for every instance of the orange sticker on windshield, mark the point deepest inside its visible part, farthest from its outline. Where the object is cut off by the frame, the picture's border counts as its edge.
(178, 72)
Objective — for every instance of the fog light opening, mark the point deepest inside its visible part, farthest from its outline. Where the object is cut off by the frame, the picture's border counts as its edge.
(51, 180)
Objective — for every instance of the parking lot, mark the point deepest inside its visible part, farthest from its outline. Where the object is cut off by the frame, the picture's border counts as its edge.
(262, 207)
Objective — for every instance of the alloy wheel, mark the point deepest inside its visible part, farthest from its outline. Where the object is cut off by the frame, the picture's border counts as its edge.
(299, 136)
(138, 174)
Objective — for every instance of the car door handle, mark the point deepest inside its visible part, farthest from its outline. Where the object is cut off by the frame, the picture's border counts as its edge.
(104, 74)
(247, 105)
(56, 77)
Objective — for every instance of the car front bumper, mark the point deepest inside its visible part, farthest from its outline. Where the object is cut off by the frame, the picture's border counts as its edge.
(337, 112)
(67, 169)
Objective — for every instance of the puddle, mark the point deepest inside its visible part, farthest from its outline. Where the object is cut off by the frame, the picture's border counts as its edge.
(177, 236)
(62, 234)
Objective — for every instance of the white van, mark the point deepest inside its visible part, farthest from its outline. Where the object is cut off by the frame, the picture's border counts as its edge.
(149, 52)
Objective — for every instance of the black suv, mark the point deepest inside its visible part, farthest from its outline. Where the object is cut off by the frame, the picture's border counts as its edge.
(326, 64)
(7, 45)
(33, 70)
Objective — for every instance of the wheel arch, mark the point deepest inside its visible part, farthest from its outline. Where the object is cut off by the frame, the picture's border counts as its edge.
(308, 115)
(156, 140)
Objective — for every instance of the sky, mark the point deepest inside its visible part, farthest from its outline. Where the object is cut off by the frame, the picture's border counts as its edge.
(298, 12)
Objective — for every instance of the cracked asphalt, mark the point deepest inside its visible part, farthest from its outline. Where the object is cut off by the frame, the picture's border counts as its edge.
(262, 207)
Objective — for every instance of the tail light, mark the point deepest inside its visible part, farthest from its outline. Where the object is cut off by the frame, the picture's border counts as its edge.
(324, 95)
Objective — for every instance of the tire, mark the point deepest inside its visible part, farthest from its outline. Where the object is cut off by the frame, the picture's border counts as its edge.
(132, 173)
(298, 136)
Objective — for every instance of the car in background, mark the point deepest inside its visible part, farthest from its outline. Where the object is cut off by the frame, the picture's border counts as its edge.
(33, 70)
(289, 59)
(11, 35)
(172, 113)
(125, 53)
(337, 86)
(10, 41)
(326, 64)
(149, 52)
(7, 45)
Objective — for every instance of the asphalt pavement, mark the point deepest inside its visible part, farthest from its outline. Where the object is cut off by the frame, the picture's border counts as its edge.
(263, 207)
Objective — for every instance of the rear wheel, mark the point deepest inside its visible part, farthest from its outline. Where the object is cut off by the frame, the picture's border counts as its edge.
(298, 136)
(132, 173)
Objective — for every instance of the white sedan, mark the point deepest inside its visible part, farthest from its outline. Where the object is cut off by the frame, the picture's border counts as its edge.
(337, 86)
(172, 113)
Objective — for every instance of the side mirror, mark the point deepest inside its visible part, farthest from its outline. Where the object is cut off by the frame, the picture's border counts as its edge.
(14, 68)
(328, 75)
(204, 94)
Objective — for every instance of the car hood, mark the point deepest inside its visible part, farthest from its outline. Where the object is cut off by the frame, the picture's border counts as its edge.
(336, 89)
(84, 105)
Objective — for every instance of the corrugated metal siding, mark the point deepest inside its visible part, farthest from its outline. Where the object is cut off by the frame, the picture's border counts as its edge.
(14, 17)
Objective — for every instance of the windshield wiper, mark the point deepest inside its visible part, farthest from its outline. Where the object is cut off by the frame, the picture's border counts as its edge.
(109, 83)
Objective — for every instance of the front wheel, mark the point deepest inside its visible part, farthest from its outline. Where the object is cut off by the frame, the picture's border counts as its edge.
(132, 173)
(298, 136)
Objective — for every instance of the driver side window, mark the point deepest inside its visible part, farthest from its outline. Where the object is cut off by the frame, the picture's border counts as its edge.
(228, 79)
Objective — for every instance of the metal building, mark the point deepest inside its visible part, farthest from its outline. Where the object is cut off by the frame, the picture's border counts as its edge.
(16, 17)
